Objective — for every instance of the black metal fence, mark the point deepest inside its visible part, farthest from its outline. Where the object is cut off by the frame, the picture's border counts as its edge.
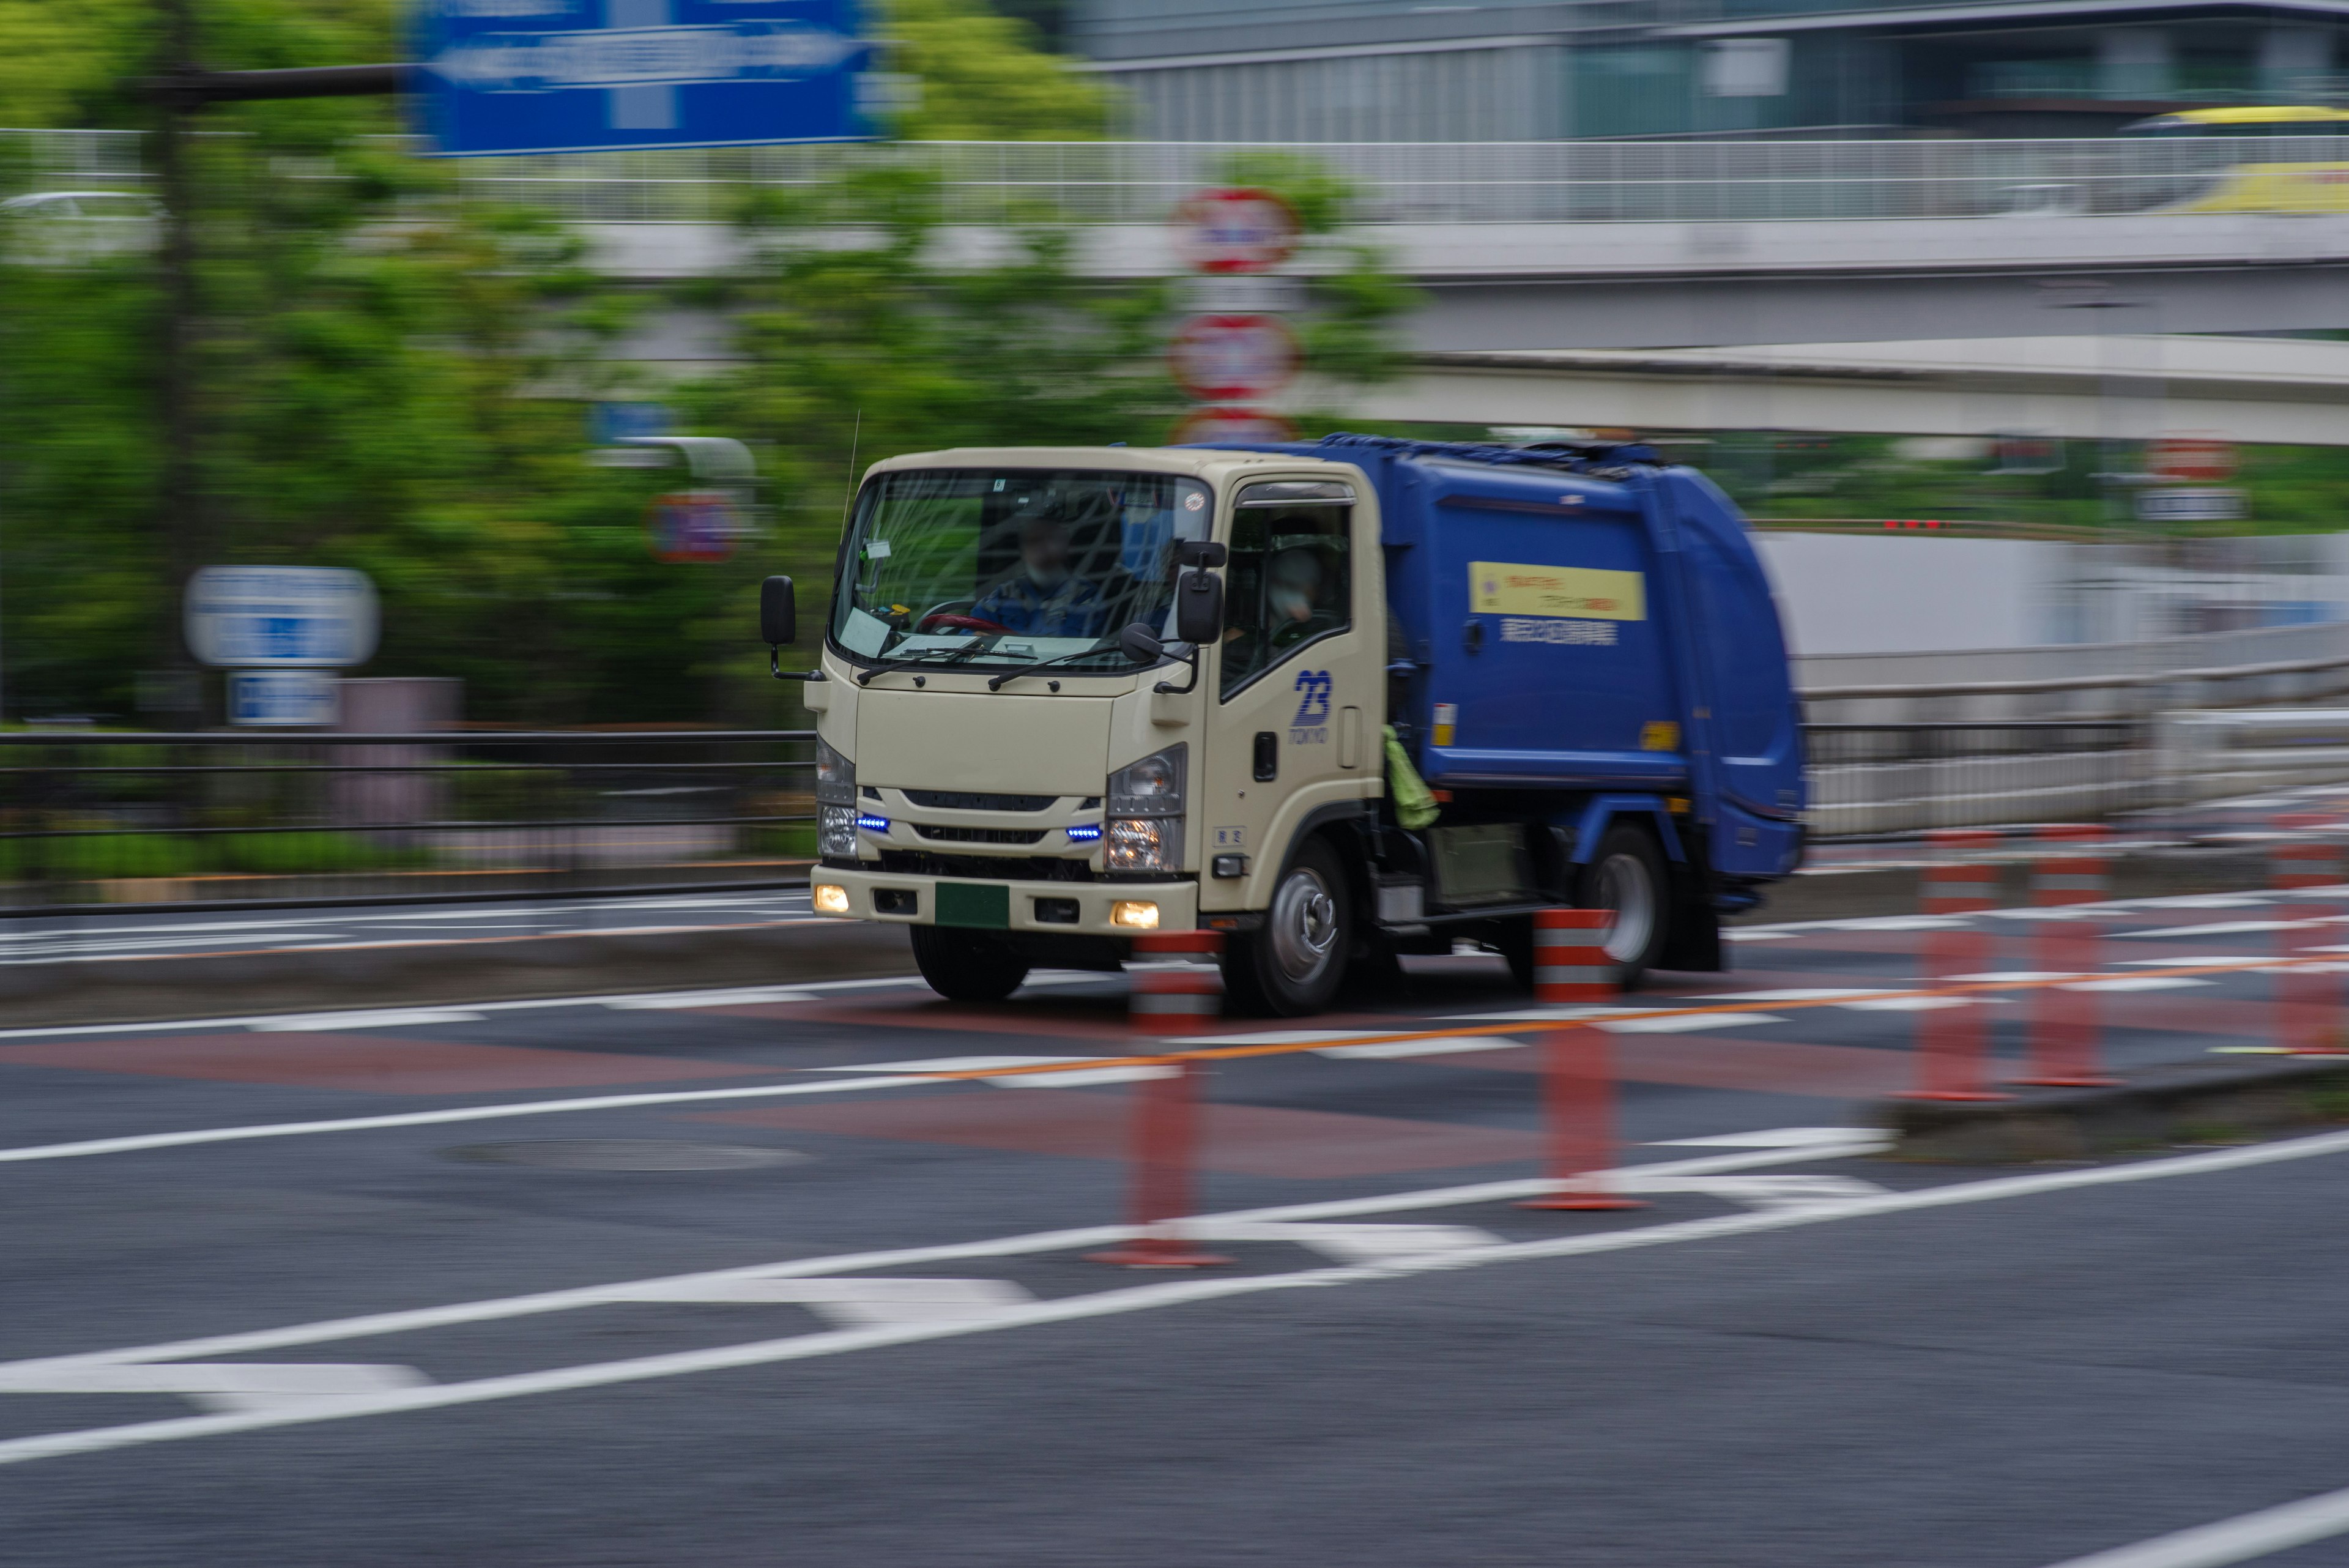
(91, 818)
(98, 817)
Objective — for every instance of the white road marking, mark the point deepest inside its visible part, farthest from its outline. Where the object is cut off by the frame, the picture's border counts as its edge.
(415, 1320)
(1141, 1298)
(1541, 1015)
(1688, 1023)
(954, 1063)
(2013, 976)
(1897, 923)
(1913, 1003)
(1080, 1078)
(1349, 1244)
(1272, 1037)
(1736, 934)
(388, 1018)
(233, 1385)
(533, 1004)
(2195, 961)
(1801, 993)
(1761, 1192)
(848, 1303)
(2137, 983)
(741, 996)
(1767, 1137)
(1437, 1046)
(2228, 928)
(2237, 1540)
(139, 1143)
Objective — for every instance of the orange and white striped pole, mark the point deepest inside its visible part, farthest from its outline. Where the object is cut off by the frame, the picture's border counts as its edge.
(1176, 986)
(1953, 1040)
(2073, 866)
(1571, 965)
(2307, 1000)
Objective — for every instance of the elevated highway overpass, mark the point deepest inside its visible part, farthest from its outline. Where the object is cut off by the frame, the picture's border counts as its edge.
(2294, 391)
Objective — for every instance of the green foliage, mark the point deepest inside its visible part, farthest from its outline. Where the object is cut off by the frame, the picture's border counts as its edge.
(983, 80)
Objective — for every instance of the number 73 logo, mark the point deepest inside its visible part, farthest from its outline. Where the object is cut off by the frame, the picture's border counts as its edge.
(1313, 692)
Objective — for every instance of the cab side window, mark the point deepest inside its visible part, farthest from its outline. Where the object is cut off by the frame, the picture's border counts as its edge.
(1290, 581)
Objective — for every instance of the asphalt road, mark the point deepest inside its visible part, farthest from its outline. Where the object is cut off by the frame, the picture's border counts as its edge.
(731, 1277)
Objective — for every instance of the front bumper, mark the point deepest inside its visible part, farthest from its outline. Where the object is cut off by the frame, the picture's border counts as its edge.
(984, 905)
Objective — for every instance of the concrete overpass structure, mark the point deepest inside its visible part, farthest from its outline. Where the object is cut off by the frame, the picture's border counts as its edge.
(2119, 387)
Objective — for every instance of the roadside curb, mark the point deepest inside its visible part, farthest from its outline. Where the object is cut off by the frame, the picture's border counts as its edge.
(503, 968)
(2191, 1103)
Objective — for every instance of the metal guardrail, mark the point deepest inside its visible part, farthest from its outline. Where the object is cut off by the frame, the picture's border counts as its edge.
(103, 817)
(1882, 780)
(1416, 182)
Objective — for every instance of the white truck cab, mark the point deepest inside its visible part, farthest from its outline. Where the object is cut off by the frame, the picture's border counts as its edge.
(1067, 695)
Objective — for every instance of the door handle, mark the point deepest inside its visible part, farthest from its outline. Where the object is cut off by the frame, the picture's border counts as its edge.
(1267, 756)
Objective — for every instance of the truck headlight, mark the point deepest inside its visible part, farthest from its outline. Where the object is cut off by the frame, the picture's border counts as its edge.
(1143, 844)
(1143, 829)
(836, 777)
(835, 833)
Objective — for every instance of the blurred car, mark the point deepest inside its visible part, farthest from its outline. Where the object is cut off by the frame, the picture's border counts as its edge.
(64, 228)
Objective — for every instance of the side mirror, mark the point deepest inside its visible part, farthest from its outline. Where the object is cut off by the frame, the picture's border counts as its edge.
(779, 613)
(1199, 607)
(1140, 644)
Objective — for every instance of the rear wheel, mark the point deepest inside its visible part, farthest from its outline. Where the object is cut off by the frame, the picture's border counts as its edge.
(1627, 877)
(964, 966)
(1296, 962)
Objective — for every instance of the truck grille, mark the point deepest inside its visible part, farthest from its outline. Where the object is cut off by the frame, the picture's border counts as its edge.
(980, 835)
(986, 867)
(964, 800)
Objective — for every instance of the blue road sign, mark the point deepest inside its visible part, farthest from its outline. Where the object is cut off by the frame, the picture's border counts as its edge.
(583, 76)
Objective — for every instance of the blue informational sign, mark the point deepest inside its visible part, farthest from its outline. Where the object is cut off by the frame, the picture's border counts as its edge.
(284, 699)
(321, 618)
(584, 75)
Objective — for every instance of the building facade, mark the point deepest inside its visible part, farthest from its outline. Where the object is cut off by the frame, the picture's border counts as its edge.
(1533, 70)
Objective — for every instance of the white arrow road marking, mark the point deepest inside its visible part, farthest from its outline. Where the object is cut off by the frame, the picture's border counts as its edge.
(228, 1385)
(1140, 1298)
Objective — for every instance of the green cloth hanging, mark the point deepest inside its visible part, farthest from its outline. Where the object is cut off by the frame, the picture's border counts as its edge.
(1414, 804)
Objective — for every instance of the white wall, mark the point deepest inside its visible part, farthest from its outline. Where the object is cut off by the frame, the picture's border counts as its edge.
(1901, 594)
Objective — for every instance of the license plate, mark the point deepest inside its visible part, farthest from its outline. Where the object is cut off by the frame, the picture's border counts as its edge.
(987, 905)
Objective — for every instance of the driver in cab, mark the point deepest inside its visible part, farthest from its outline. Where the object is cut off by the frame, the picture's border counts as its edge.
(1045, 598)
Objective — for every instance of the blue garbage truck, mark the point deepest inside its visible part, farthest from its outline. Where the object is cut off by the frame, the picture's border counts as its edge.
(1342, 700)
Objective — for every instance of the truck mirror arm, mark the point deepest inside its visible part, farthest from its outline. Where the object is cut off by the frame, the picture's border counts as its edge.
(775, 666)
(1191, 658)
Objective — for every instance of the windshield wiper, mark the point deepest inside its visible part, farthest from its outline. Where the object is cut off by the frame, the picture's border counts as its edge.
(995, 682)
(951, 656)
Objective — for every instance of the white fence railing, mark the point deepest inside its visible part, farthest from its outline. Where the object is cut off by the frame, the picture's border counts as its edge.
(1418, 182)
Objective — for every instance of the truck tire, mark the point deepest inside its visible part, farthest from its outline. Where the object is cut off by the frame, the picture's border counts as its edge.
(1626, 875)
(1296, 962)
(963, 966)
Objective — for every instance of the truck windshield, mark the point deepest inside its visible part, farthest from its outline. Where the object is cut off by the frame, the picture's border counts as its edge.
(1012, 566)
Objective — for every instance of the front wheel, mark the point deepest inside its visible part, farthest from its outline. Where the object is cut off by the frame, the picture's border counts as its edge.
(1295, 964)
(963, 966)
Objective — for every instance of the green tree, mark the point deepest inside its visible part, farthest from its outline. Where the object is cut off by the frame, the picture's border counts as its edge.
(984, 80)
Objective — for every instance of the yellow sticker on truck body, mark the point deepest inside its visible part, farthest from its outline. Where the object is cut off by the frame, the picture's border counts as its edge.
(1586, 593)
